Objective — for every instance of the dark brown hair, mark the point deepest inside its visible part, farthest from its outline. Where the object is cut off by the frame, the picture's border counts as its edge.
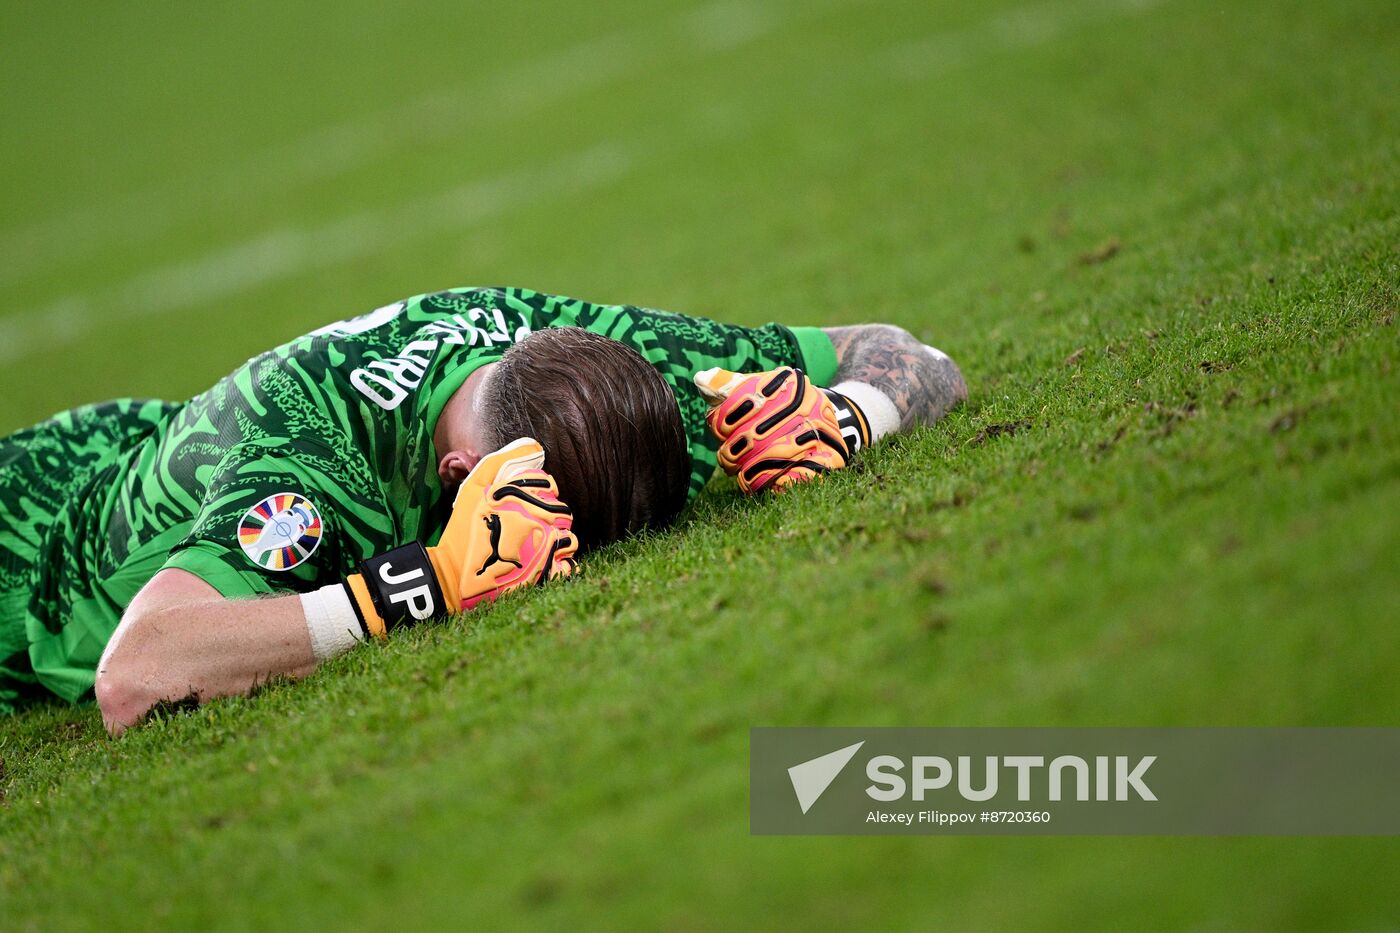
(610, 427)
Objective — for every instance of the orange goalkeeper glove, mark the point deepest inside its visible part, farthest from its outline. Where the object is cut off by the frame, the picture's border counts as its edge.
(508, 529)
(777, 429)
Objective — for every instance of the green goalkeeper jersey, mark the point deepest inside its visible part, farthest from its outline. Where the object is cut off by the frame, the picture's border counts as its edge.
(299, 464)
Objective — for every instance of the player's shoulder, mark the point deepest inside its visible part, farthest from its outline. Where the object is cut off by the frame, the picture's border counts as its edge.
(407, 311)
(470, 296)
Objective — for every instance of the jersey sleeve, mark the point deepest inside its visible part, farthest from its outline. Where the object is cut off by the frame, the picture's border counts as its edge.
(282, 516)
(818, 354)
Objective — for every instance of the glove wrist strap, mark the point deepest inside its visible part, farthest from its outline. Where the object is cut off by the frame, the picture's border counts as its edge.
(371, 622)
(398, 587)
(864, 413)
(855, 427)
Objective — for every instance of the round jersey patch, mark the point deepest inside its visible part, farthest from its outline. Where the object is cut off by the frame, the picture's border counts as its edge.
(281, 531)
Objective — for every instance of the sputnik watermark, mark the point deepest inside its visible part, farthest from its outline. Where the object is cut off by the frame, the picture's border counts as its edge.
(1113, 779)
(1075, 781)
(933, 772)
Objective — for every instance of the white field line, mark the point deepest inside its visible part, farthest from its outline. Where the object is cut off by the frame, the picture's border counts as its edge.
(332, 150)
(286, 252)
(292, 251)
(322, 153)
(1021, 27)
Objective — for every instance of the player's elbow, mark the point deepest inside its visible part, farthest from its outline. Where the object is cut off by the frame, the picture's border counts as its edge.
(145, 663)
(946, 383)
(126, 687)
(122, 696)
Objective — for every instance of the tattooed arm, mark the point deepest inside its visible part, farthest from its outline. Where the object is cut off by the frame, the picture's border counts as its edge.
(923, 385)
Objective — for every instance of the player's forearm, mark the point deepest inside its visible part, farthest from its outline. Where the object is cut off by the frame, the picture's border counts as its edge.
(922, 384)
(187, 644)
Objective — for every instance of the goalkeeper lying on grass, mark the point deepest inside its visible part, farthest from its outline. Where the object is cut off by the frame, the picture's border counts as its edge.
(392, 468)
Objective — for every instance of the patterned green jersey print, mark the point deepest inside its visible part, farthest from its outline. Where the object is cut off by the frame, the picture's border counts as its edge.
(312, 457)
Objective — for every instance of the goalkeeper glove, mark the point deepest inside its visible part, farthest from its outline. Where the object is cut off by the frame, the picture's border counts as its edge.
(776, 428)
(508, 529)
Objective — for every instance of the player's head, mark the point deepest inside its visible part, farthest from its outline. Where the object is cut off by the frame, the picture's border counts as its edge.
(609, 425)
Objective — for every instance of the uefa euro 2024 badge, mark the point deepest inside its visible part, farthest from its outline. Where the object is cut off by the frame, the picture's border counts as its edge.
(281, 531)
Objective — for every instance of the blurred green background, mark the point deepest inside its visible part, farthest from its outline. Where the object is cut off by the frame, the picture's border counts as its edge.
(1159, 235)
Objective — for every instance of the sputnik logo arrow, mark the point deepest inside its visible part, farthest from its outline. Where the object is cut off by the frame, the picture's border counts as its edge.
(811, 778)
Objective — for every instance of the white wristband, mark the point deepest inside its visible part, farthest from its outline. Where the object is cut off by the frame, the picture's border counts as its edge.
(880, 411)
(331, 621)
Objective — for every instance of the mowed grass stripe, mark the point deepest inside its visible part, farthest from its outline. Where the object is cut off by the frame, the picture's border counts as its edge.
(287, 252)
(516, 92)
(1166, 504)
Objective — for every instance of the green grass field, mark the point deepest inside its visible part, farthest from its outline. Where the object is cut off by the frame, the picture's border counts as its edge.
(1162, 239)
